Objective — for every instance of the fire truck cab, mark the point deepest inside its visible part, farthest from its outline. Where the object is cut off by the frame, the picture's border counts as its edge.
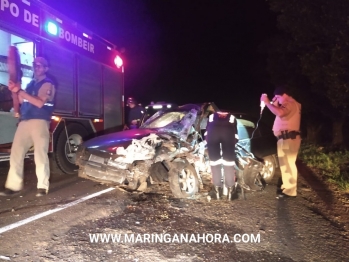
(87, 71)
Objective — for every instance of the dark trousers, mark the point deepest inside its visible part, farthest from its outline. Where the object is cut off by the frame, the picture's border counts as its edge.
(221, 136)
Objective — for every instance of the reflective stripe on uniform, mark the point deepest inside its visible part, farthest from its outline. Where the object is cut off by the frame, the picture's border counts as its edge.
(216, 163)
(46, 104)
(228, 163)
(222, 161)
(236, 136)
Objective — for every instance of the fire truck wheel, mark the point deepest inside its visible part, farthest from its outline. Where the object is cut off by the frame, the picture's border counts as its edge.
(65, 152)
(184, 181)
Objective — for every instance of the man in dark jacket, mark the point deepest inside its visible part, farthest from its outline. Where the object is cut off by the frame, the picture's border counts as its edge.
(135, 114)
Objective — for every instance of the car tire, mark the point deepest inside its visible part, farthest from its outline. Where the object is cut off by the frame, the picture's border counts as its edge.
(184, 182)
(269, 168)
(64, 158)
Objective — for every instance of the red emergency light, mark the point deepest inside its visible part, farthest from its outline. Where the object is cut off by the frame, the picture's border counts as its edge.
(118, 61)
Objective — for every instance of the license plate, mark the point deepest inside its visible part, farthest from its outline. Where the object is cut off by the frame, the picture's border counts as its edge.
(96, 159)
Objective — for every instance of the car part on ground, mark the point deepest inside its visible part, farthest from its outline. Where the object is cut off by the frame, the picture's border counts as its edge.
(249, 170)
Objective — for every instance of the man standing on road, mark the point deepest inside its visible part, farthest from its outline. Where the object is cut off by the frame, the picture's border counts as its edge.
(135, 114)
(37, 104)
(287, 131)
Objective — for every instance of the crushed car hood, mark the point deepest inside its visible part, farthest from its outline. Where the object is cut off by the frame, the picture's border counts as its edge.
(109, 143)
(178, 123)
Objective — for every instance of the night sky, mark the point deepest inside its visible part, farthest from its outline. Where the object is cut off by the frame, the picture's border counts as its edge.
(185, 51)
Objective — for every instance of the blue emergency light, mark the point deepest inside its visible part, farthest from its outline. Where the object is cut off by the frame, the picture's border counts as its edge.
(52, 28)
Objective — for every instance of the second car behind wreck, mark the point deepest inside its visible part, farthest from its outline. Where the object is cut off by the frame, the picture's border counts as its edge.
(168, 147)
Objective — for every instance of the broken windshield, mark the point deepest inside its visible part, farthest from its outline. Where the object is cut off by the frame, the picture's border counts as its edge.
(160, 119)
(177, 123)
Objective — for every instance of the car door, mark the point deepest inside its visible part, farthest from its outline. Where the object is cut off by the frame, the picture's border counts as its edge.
(255, 139)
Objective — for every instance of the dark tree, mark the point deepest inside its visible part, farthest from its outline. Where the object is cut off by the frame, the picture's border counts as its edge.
(316, 47)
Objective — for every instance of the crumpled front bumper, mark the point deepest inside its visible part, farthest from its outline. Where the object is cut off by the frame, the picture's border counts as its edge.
(95, 167)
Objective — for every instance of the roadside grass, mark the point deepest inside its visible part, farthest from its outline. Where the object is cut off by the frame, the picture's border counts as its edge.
(332, 164)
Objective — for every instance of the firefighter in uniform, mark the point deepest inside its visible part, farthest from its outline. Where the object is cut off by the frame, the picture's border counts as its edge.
(37, 104)
(286, 128)
(221, 139)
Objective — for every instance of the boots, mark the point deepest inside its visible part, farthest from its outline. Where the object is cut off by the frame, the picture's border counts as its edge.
(217, 189)
(230, 192)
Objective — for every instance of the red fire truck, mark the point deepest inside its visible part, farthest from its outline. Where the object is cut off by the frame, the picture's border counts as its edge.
(87, 70)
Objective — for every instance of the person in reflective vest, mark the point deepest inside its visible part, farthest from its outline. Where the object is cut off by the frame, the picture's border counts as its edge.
(221, 139)
(37, 105)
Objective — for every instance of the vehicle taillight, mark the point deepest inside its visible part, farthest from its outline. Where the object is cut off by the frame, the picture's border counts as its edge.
(98, 120)
(56, 118)
(118, 61)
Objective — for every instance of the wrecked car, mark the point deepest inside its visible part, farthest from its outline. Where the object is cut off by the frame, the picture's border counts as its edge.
(168, 147)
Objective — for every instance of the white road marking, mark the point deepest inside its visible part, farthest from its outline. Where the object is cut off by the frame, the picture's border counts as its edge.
(49, 212)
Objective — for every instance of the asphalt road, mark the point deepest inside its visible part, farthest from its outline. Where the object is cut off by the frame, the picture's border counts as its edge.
(301, 229)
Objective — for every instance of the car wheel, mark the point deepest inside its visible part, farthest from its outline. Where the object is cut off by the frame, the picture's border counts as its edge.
(269, 168)
(65, 151)
(184, 182)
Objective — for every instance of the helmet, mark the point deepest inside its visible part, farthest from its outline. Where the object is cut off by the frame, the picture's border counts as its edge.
(131, 100)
